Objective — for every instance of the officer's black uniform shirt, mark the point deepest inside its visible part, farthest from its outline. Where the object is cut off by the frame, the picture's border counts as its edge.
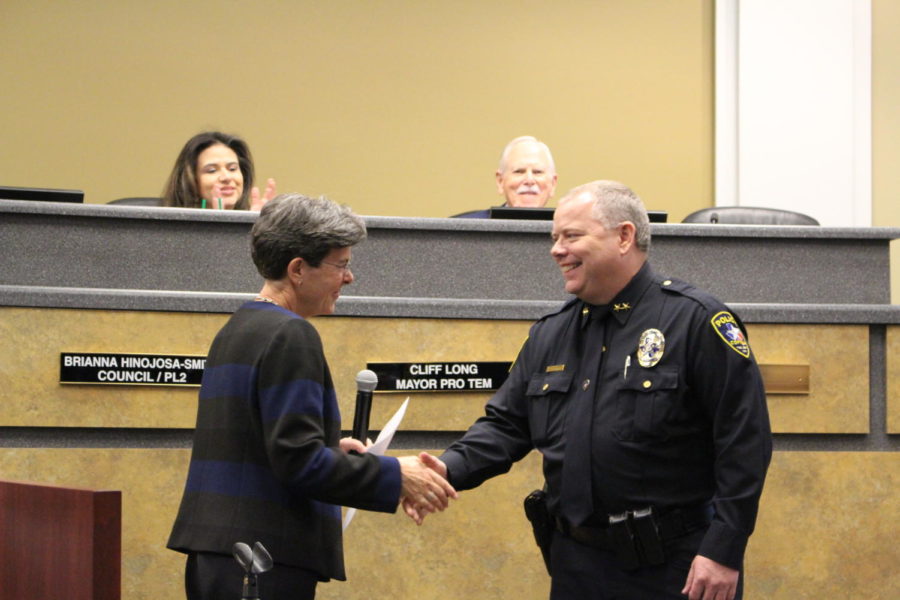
(683, 424)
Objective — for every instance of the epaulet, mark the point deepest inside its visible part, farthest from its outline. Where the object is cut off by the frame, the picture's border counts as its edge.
(683, 288)
(722, 314)
(675, 285)
(561, 309)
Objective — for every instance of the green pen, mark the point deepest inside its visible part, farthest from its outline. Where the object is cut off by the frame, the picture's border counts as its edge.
(203, 203)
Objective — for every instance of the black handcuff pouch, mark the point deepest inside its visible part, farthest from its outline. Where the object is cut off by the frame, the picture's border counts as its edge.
(646, 532)
(635, 538)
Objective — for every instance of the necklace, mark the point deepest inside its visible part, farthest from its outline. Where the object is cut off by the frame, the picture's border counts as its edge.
(265, 299)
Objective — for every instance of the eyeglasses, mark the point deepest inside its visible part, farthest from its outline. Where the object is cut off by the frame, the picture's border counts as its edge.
(343, 268)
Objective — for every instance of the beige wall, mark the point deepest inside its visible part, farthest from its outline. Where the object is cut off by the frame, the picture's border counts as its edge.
(886, 125)
(396, 107)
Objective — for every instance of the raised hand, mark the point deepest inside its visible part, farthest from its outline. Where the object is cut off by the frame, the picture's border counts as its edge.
(257, 201)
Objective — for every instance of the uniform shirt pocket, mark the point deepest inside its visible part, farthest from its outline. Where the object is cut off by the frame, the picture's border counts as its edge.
(547, 406)
(647, 404)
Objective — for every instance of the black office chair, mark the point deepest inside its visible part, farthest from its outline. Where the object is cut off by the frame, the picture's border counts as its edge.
(138, 201)
(748, 215)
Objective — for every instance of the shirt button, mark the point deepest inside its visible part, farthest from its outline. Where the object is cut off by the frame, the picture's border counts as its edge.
(667, 282)
(603, 349)
(647, 384)
(586, 384)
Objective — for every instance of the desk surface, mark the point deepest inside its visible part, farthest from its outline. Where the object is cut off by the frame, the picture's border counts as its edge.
(100, 247)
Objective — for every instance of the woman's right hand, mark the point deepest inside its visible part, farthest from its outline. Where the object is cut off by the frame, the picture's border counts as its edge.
(424, 491)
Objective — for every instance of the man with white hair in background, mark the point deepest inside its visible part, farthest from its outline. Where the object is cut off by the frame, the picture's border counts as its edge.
(526, 176)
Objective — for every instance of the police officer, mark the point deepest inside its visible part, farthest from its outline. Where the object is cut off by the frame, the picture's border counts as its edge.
(644, 398)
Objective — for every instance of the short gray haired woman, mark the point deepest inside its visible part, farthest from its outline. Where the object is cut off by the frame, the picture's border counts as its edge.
(293, 225)
(268, 464)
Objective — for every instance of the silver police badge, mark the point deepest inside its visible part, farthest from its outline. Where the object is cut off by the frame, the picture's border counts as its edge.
(651, 347)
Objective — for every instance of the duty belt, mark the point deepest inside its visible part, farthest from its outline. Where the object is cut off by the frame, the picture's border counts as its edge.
(636, 536)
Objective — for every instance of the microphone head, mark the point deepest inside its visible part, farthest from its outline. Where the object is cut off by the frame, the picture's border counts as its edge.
(262, 560)
(243, 555)
(366, 381)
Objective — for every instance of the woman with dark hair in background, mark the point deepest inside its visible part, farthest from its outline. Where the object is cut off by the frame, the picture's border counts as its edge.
(215, 170)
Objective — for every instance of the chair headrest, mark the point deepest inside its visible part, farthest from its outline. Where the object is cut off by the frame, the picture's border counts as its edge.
(748, 215)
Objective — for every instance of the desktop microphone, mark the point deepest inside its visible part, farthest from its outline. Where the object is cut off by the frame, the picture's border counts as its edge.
(366, 382)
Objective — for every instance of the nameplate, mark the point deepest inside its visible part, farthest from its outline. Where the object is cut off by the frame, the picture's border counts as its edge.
(130, 369)
(440, 376)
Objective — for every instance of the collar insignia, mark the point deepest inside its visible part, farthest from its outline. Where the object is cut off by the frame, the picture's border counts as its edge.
(622, 306)
(726, 326)
(651, 347)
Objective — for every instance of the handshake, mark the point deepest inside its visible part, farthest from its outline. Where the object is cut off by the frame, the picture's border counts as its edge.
(425, 488)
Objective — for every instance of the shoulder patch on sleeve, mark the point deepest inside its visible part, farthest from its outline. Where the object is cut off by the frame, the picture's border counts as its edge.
(728, 329)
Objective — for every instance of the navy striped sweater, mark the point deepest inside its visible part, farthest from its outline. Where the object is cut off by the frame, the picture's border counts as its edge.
(265, 464)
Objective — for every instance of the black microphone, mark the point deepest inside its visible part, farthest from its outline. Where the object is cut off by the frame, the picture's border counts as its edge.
(366, 382)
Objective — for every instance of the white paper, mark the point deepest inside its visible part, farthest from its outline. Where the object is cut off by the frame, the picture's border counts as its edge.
(381, 444)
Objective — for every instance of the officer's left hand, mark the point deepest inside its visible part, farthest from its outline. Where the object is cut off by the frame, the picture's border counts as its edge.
(709, 580)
